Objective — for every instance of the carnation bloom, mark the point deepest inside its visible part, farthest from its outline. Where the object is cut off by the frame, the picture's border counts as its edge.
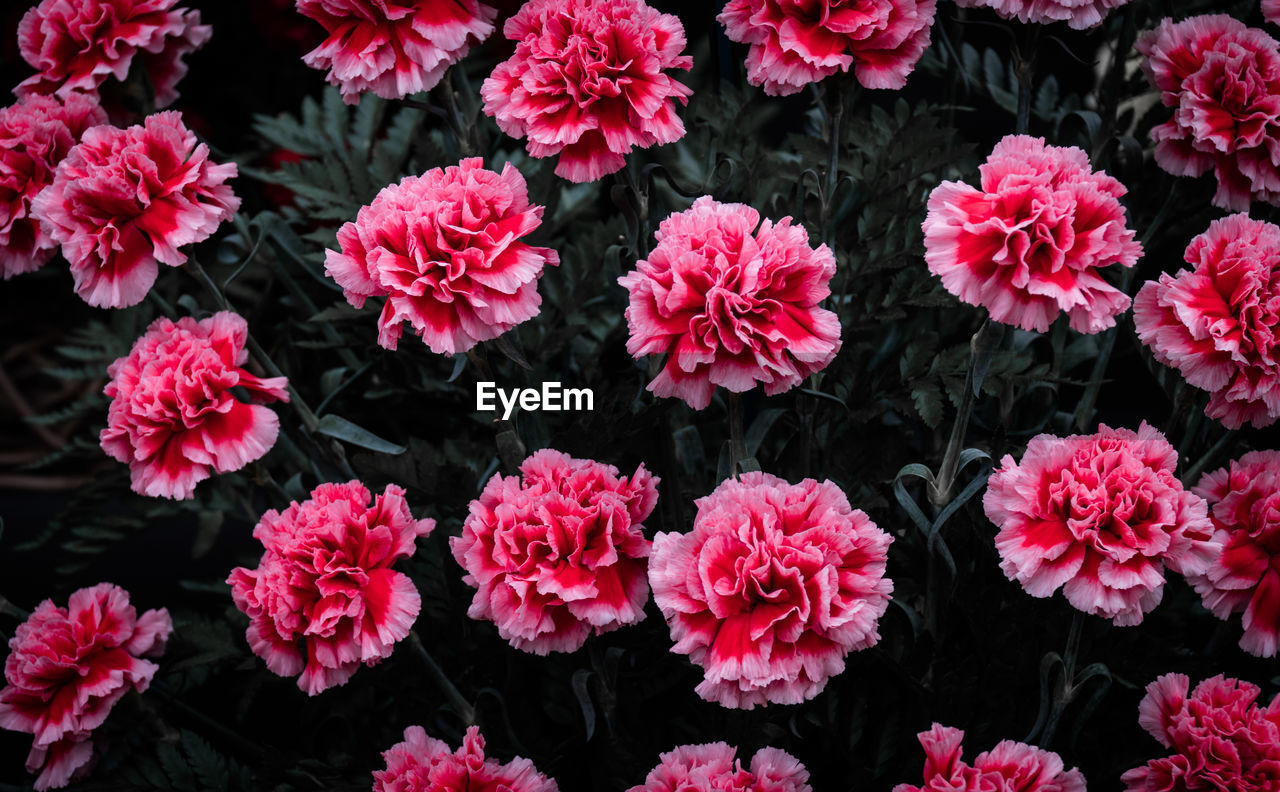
(173, 413)
(443, 249)
(1009, 766)
(1271, 11)
(1222, 80)
(588, 81)
(1244, 503)
(1100, 516)
(797, 43)
(560, 554)
(733, 302)
(68, 667)
(425, 764)
(1079, 14)
(1220, 738)
(1029, 244)
(35, 134)
(325, 583)
(74, 45)
(772, 587)
(124, 201)
(715, 767)
(1217, 322)
(394, 47)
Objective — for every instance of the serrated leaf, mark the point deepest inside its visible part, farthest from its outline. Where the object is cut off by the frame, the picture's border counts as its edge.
(927, 398)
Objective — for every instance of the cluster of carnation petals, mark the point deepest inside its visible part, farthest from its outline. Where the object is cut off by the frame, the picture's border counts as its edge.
(35, 134)
(173, 412)
(75, 45)
(124, 200)
(589, 81)
(422, 763)
(393, 48)
(1271, 11)
(1029, 243)
(1222, 80)
(1078, 14)
(1218, 735)
(1218, 324)
(558, 552)
(1100, 516)
(67, 668)
(794, 44)
(444, 250)
(1244, 504)
(1009, 766)
(732, 302)
(774, 585)
(715, 766)
(324, 598)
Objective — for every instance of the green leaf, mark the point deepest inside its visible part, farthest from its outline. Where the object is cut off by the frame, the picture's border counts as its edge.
(338, 427)
(760, 428)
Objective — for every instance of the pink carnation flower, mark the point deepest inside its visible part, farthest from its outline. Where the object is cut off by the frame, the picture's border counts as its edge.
(715, 767)
(797, 43)
(1009, 766)
(1244, 501)
(74, 45)
(1216, 322)
(772, 587)
(588, 81)
(1221, 739)
(173, 413)
(733, 302)
(1222, 80)
(1029, 244)
(1079, 14)
(124, 200)
(1100, 516)
(68, 667)
(425, 764)
(394, 47)
(35, 134)
(325, 583)
(559, 555)
(443, 249)
(1271, 11)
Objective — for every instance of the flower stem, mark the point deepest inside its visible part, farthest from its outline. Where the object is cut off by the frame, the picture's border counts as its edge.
(1065, 689)
(451, 694)
(982, 347)
(737, 439)
(1024, 67)
(1192, 473)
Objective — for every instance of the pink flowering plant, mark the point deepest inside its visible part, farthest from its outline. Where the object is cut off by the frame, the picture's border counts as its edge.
(640, 395)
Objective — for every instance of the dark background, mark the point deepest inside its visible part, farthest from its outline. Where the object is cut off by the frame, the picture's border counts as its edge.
(978, 670)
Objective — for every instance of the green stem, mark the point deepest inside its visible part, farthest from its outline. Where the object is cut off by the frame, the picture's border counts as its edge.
(982, 347)
(737, 438)
(1066, 683)
(1192, 473)
(1024, 66)
(451, 693)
